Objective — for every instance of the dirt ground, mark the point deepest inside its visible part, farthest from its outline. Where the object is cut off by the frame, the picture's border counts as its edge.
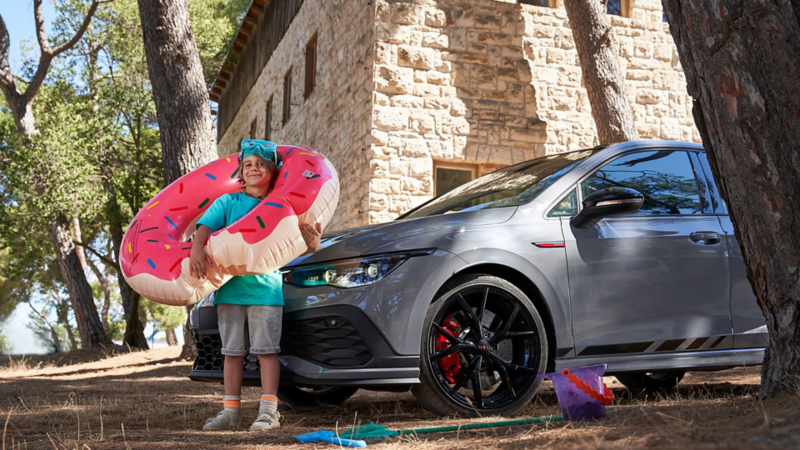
(119, 400)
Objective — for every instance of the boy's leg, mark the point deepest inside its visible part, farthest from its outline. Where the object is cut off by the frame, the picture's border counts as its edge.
(265, 335)
(231, 319)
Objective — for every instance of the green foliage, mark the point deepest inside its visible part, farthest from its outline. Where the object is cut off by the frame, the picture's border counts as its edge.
(164, 317)
(5, 346)
(213, 24)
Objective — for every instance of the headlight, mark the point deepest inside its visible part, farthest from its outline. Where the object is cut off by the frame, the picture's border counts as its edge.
(206, 301)
(350, 273)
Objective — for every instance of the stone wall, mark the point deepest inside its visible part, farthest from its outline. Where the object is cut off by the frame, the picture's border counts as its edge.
(654, 79)
(335, 119)
(492, 83)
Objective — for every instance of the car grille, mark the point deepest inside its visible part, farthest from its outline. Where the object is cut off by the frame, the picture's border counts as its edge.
(331, 341)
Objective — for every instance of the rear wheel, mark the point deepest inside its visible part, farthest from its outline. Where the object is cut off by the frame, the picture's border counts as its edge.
(483, 344)
(651, 380)
(325, 395)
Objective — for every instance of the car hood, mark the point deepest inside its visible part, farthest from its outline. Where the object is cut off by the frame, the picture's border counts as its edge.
(399, 235)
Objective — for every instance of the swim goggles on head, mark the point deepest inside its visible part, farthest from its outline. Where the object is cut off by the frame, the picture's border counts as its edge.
(265, 149)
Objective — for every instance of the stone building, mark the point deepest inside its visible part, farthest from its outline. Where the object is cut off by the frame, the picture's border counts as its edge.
(411, 98)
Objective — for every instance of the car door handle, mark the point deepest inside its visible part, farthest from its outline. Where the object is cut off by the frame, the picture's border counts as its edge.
(705, 237)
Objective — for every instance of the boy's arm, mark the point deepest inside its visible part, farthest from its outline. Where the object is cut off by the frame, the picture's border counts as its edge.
(198, 257)
(312, 236)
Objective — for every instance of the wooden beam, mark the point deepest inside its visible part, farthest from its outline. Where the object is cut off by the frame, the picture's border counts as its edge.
(222, 83)
(245, 34)
(250, 20)
(216, 90)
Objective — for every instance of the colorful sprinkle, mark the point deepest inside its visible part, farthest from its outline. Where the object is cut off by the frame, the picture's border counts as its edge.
(148, 229)
(130, 248)
(152, 264)
(152, 240)
(154, 204)
(297, 195)
(285, 174)
(180, 208)
(175, 265)
(311, 163)
(171, 237)
(228, 159)
(171, 222)
(181, 189)
(247, 230)
(290, 151)
(312, 177)
(235, 172)
(186, 248)
(306, 153)
(166, 246)
(204, 203)
(277, 205)
(211, 176)
(260, 222)
(134, 259)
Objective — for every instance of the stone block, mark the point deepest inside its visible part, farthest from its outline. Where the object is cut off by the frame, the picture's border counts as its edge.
(378, 202)
(448, 91)
(421, 167)
(421, 122)
(384, 53)
(388, 119)
(438, 78)
(384, 186)
(437, 41)
(533, 135)
(380, 168)
(458, 108)
(416, 57)
(649, 97)
(483, 77)
(380, 137)
(426, 90)
(407, 101)
(420, 76)
(408, 14)
(398, 167)
(435, 17)
(415, 148)
(392, 33)
(437, 103)
(392, 79)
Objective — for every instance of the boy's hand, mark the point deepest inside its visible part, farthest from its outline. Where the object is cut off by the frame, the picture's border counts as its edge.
(312, 235)
(197, 263)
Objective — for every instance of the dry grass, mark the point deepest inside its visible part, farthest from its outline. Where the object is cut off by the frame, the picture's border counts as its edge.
(115, 399)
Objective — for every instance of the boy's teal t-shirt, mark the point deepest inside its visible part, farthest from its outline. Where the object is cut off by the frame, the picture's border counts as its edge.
(264, 289)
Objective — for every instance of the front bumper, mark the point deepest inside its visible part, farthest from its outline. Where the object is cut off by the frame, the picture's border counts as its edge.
(335, 345)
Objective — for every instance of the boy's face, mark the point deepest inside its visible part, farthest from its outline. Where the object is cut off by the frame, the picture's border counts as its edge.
(255, 172)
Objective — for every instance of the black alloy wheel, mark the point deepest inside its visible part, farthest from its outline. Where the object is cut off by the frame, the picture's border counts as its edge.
(483, 344)
(316, 395)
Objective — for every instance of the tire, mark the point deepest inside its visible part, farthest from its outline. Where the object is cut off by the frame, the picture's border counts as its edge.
(651, 380)
(318, 395)
(505, 357)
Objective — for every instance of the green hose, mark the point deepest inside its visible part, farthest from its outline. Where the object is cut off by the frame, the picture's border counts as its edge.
(374, 431)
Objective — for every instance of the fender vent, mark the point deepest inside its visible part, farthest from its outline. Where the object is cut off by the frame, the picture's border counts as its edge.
(332, 341)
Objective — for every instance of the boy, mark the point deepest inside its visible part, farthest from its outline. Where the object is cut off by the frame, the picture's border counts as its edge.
(255, 299)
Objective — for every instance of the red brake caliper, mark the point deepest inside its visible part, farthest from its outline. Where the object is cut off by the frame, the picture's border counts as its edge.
(450, 364)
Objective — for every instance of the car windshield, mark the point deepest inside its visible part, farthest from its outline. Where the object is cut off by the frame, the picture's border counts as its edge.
(511, 186)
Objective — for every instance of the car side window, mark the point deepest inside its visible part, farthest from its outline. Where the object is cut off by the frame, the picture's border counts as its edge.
(567, 207)
(665, 178)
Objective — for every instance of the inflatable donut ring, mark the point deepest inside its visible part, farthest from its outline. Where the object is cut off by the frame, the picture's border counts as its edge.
(155, 254)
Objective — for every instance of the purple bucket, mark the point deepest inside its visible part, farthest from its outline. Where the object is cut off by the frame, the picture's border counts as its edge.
(581, 392)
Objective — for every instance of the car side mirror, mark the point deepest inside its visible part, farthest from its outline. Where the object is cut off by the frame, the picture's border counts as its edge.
(615, 201)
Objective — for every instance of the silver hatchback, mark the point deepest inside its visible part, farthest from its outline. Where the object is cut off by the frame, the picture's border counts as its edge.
(623, 255)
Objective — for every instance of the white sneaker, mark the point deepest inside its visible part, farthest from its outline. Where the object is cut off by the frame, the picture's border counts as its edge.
(224, 420)
(266, 421)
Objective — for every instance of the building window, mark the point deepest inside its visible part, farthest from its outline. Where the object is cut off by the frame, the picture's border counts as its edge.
(618, 8)
(450, 176)
(268, 120)
(253, 126)
(287, 96)
(545, 3)
(311, 66)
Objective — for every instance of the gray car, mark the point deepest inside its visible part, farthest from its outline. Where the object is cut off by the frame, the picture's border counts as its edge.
(623, 255)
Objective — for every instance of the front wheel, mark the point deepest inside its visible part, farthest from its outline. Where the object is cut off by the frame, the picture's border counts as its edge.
(483, 344)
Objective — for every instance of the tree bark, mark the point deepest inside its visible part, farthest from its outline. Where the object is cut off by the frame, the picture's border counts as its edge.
(742, 63)
(172, 338)
(602, 76)
(134, 329)
(181, 98)
(106, 292)
(62, 309)
(89, 326)
(179, 90)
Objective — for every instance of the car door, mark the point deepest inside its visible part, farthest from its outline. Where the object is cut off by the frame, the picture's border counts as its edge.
(656, 281)
(747, 319)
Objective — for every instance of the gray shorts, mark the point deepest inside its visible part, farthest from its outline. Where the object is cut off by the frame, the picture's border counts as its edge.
(263, 323)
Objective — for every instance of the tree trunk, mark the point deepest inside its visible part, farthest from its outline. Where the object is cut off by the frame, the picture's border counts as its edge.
(106, 292)
(89, 326)
(172, 338)
(180, 95)
(134, 329)
(179, 90)
(742, 63)
(602, 77)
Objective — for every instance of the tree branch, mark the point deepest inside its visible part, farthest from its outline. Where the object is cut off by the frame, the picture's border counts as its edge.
(105, 259)
(6, 78)
(49, 53)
